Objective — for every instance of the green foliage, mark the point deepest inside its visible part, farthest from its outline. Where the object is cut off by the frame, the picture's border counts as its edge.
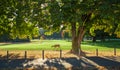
(15, 18)
(97, 13)
(105, 16)
(117, 31)
(21, 18)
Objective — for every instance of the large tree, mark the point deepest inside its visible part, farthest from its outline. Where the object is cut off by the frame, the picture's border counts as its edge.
(84, 15)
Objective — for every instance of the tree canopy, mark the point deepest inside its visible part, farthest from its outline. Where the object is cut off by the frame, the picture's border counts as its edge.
(22, 17)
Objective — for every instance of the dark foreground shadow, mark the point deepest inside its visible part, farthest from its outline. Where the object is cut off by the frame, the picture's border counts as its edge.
(105, 62)
(59, 64)
(108, 44)
(14, 63)
(48, 64)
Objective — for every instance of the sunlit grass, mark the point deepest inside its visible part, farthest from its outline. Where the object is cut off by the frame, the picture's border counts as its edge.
(65, 45)
(37, 45)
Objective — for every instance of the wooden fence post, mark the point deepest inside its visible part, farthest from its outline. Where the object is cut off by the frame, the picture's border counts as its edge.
(96, 52)
(43, 54)
(25, 54)
(60, 53)
(115, 51)
(7, 54)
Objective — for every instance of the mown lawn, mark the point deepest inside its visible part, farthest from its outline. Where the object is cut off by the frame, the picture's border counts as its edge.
(102, 46)
(65, 45)
(36, 45)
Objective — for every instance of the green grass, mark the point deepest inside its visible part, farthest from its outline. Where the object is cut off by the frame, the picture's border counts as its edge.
(65, 45)
(37, 45)
(102, 46)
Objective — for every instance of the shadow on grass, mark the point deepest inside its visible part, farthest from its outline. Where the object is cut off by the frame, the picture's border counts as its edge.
(11, 43)
(109, 44)
(10, 56)
(14, 62)
(48, 64)
(73, 63)
(105, 62)
(5, 43)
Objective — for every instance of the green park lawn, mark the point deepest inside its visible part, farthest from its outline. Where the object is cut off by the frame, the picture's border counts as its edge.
(65, 45)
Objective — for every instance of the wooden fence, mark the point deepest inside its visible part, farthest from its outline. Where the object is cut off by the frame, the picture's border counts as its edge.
(25, 54)
(114, 52)
(59, 53)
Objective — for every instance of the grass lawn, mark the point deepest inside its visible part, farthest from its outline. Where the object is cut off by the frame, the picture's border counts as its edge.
(65, 45)
(36, 45)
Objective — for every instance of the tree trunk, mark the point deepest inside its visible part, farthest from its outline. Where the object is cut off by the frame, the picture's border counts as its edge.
(75, 46)
(77, 37)
(78, 33)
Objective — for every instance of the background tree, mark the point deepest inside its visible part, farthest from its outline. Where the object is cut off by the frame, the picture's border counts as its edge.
(15, 19)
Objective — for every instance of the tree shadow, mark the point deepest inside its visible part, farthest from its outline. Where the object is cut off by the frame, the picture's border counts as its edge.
(49, 64)
(10, 43)
(82, 53)
(10, 56)
(5, 43)
(12, 61)
(62, 64)
(107, 63)
(79, 64)
(115, 58)
(73, 63)
(110, 44)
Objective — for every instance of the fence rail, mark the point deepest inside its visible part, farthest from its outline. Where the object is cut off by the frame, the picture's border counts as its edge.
(28, 54)
(51, 54)
(114, 52)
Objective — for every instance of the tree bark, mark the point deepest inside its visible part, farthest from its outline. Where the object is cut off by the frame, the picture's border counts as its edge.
(77, 36)
(74, 38)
